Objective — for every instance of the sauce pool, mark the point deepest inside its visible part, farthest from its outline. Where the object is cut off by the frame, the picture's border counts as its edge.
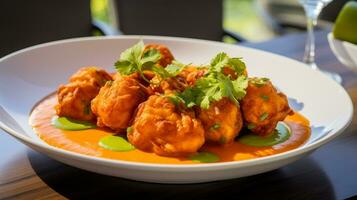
(87, 141)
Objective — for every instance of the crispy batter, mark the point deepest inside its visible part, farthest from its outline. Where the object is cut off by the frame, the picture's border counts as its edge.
(75, 97)
(168, 85)
(116, 102)
(222, 121)
(161, 128)
(92, 75)
(192, 73)
(166, 55)
(263, 107)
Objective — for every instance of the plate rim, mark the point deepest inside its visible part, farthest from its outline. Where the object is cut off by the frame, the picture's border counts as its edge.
(189, 167)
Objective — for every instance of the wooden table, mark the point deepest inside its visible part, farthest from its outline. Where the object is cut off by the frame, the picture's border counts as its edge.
(328, 173)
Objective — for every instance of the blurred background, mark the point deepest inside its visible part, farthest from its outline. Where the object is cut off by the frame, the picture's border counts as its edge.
(25, 23)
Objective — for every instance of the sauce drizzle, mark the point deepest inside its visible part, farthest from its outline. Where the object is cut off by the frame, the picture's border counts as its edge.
(88, 141)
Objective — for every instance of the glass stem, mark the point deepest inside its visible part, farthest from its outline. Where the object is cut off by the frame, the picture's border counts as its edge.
(309, 57)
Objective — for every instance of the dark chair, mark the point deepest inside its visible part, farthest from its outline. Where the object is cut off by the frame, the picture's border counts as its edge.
(194, 19)
(25, 23)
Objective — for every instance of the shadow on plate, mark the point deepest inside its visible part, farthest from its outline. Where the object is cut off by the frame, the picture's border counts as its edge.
(300, 180)
(295, 104)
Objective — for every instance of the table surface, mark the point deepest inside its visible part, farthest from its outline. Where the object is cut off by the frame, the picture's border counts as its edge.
(328, 173)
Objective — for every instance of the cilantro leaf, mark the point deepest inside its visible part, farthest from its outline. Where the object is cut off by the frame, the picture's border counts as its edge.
(150, 57)
(222, 60)
(173, 70)
(237, 65)
(124, 67)
(189, 96)
(137, 59)
(160, 71)
(239, 87)
(214, 85)
(132, 53)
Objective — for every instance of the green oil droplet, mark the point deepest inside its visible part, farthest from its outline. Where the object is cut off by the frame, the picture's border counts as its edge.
(115, 143)
(204, 157)
(66, 123)
(280, 135)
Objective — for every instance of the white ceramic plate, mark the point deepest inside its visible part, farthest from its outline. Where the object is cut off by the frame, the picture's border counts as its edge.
(29, 75)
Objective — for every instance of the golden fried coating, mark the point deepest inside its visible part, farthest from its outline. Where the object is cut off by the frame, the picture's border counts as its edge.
(192, 73)
(168, 85)
(162, 128)
(263, 107)
(92, 75)
(74, 98)
(116, 102)
(179, 83)
(222, 121)
(166, 55)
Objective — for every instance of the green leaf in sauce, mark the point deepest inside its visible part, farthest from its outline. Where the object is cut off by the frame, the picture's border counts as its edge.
(280, 135)
(204, 157)
(115, 143)
(66, 123)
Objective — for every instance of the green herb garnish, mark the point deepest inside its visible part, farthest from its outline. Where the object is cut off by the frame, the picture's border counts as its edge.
(251, 126)
(222, 60)
(263, 116)
(215, 84)
(265, 97)
(137, 59)
(215, 126)
(259, 82)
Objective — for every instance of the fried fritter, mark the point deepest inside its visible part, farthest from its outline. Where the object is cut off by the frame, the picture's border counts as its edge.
(192, 73)
(74, 98)
(92, 75)
(166, 55)
(160, 127)
(168, 85)
(222, 121)
(116, 102)
(263, 106)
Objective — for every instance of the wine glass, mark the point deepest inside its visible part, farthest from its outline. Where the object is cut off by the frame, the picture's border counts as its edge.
(312, 10)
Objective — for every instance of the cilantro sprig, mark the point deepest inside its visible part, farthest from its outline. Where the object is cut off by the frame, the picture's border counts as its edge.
(216, 85)
(222, 60)
(138, 59)
(213, 86)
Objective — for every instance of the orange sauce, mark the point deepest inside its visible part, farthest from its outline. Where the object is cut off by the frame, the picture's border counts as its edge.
(86, 141)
